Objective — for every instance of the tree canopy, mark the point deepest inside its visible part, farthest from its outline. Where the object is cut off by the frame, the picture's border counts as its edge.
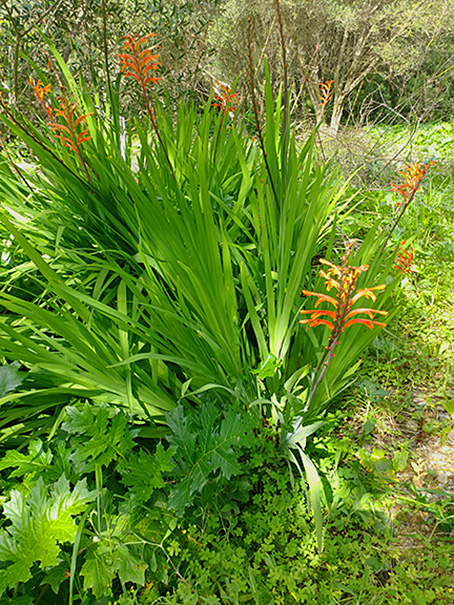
(338, 40)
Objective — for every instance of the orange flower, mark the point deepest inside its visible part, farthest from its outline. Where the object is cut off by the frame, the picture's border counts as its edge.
(138, 62)
(40, 91)
(343, 279)
(226, 100)
(325, 93)
(412, 176)
(67, 133)
(404, 259)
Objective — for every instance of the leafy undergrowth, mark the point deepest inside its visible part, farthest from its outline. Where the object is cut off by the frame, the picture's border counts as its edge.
(245, 534)
(421, 143)
(265, 553)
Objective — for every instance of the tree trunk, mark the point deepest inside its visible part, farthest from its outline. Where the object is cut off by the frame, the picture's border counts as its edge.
(74, 31)
(338, 107)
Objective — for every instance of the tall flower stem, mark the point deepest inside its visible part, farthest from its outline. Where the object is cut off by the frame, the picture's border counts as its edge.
(342, 278)
(251, 79)
(227, 102)
(413, 175)
(397, 221)
(339, 320)
(158, 134)
(321, 368)
(137, 62)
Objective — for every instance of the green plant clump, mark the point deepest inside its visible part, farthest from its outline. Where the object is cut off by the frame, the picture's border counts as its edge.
(166, 424)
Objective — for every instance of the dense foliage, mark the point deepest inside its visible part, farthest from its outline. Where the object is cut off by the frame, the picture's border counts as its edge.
(185, 297)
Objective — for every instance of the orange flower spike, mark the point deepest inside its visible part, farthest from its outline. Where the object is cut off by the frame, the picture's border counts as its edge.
(66, 110)
(411, 173)
(40, 90)
(343, 316)
(412, 176)
(401, 189)
(68, 135)
(137, 62)
(325, 93)
(226, 101)
(404, 259)
(414, 173)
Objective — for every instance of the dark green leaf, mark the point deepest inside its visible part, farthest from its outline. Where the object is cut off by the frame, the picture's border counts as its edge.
(98, 572)
(101, 439)
(142, 473)
(204, 444)
(130, 568)
(36, 461)
(10, 378)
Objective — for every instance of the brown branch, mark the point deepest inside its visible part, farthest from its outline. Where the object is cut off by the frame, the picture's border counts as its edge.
(251, 79)
(53, 7)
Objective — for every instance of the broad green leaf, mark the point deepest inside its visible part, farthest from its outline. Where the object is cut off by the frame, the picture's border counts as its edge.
(206, 444)
(40, 522)
(98, 571)
(101, 439)
(10, 378)
(130, 568)
(142, 473)
(102, 564)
